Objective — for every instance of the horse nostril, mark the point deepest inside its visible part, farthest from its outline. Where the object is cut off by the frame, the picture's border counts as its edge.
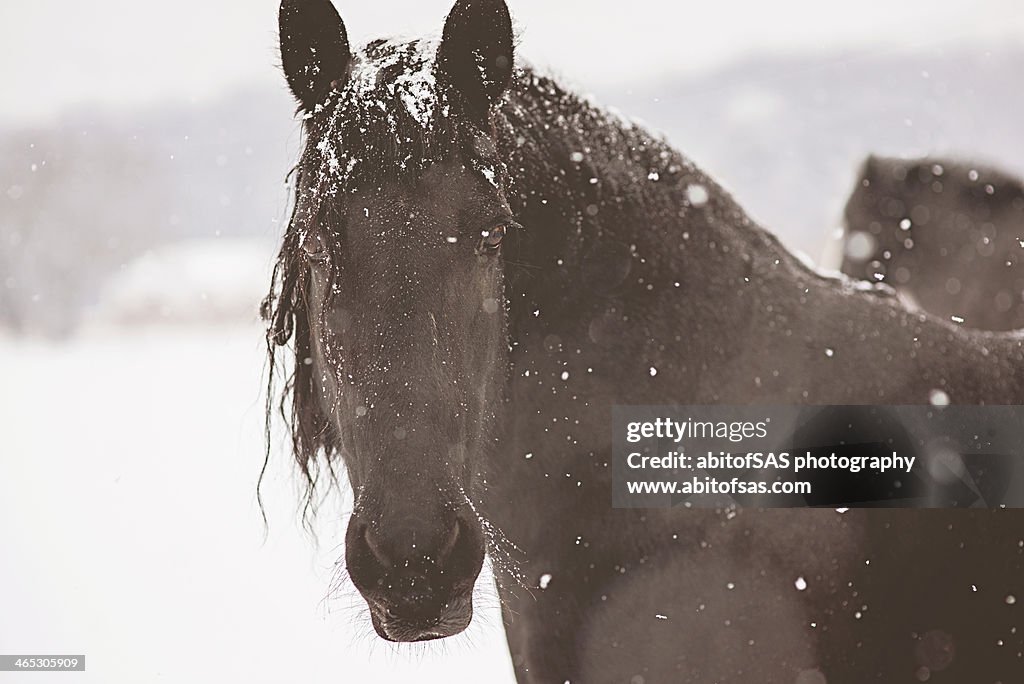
(375, 549)
(453, 539)
(464, 550)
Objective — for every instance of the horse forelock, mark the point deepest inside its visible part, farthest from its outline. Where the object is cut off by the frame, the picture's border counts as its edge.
(384, 122)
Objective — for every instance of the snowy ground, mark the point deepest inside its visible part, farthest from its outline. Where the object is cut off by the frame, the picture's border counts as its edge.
(130, 533)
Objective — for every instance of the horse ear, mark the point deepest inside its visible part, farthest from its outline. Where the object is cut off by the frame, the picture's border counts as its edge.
(314, 48)
(476, 52)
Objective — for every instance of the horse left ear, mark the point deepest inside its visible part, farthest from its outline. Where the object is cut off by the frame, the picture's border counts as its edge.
(476, 53)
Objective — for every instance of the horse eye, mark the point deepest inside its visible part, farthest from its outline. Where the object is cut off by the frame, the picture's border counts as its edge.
(491, 239)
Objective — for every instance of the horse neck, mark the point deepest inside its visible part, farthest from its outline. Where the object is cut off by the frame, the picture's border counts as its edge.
(584, 182)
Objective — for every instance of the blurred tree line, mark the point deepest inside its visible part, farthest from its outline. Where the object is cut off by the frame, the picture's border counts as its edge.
(81, 199)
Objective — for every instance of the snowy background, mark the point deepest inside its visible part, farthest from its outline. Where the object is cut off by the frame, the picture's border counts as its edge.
(143, 150)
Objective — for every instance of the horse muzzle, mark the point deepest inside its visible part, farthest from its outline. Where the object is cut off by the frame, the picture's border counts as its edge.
(418, 586)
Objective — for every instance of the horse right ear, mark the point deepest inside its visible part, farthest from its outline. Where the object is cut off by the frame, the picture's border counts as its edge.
(315, 51)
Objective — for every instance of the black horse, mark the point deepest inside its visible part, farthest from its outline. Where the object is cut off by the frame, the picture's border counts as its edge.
(948, 235)
(479, 265)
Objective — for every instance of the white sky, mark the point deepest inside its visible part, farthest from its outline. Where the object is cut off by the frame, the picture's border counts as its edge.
(59, 53)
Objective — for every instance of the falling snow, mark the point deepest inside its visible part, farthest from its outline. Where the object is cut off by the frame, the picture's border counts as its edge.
(697, 195)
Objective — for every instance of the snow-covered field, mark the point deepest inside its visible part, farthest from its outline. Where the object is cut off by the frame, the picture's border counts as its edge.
(129, 530)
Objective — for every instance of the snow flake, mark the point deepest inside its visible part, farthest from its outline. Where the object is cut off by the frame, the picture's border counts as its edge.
(490, 175)
(859, 245)
(697, 194)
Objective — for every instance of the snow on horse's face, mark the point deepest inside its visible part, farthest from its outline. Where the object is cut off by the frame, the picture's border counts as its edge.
(401, 216)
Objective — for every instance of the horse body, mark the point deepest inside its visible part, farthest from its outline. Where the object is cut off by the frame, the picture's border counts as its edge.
(656, 299)
(464, 370)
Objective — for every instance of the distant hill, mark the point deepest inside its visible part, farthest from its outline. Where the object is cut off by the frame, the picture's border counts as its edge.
(82, 200)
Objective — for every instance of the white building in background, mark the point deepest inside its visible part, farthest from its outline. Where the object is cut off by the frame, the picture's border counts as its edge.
(194, 282)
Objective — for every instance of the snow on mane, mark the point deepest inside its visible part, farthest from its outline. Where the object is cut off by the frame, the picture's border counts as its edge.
(382, 118)
(414, 82)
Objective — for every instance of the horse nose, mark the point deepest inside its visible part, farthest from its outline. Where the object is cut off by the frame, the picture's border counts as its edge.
(413, 560)
(397, 551)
